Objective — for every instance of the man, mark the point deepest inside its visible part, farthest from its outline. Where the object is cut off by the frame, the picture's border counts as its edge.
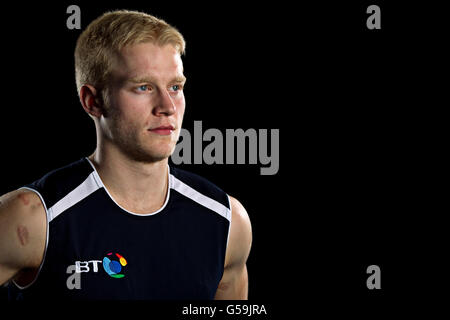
(121, 223)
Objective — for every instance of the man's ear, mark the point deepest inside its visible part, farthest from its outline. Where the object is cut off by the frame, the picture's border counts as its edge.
(91, 101)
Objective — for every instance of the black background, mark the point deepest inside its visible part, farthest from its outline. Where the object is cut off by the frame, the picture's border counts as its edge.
(353, 188)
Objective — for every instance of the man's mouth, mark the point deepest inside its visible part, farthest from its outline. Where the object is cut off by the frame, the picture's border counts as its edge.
(163, 130)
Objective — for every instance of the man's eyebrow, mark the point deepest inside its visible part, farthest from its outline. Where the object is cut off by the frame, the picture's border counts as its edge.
(177, 79)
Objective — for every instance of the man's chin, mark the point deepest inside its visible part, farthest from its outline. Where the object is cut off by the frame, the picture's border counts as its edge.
(145, 156)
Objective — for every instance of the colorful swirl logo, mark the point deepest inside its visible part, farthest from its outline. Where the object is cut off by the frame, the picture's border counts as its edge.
(114, 267)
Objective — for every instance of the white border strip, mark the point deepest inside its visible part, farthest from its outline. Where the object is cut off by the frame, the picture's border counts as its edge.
(205, 201)
(87, 187)
(101, 185)
(46, 240)
(231, 215)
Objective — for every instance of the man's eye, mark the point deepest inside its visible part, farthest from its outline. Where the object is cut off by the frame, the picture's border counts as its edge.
(143, 88)
(176, 87)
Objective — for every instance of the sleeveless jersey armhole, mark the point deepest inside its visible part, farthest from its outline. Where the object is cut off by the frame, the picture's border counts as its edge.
(21, 287)
(230, 219)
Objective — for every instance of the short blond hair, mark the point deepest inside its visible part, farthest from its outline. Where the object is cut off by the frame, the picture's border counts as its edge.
(110, 33)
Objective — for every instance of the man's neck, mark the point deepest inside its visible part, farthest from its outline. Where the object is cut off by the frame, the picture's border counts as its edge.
(136, 186)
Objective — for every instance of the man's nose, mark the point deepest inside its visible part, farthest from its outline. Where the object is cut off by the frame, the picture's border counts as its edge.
(164, 105)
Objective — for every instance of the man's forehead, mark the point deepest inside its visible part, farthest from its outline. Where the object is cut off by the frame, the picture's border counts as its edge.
(149, 61)
(151, 54)
(153, 74)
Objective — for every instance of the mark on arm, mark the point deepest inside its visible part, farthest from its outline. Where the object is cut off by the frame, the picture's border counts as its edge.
(24, 198)
(22, 234)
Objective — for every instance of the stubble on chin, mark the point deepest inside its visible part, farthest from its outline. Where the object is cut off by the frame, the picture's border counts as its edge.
(136, 149)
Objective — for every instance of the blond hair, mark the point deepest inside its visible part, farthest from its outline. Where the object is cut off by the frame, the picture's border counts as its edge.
(110, 33)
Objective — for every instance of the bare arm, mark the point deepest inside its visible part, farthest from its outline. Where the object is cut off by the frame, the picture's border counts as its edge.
(22, 233)
(234, 283)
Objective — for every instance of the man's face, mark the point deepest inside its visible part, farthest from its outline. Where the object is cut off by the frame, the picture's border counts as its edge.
(146, 102)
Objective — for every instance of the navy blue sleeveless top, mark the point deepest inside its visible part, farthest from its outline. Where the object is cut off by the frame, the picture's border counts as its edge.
(98, 250)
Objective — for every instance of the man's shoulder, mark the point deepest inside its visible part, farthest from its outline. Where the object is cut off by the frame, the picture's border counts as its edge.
(200, 184)
(60, 181)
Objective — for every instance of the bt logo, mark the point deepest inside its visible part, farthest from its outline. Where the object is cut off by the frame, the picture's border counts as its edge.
(113, 264)
(113, 267)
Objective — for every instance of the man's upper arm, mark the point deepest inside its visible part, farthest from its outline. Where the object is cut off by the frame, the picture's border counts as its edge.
(22, 233)
(234, 283)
